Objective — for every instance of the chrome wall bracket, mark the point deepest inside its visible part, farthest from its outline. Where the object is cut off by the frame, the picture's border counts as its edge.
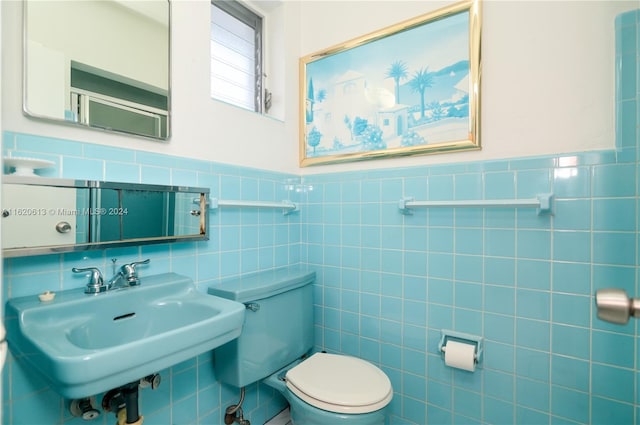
(615, 306)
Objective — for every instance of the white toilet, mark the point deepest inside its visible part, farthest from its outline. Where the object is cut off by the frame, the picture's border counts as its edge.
(274, 346)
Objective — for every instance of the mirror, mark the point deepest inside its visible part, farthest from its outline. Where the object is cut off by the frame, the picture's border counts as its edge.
(42, 216)
(99, 63)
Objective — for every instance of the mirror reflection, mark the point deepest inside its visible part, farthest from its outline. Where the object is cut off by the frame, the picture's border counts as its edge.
(99, 63)
(47, 215)
(124, 214)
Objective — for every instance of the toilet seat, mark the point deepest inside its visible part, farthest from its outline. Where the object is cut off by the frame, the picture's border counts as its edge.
(340, 384)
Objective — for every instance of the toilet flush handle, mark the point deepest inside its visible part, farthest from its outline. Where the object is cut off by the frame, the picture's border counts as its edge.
(252, 306)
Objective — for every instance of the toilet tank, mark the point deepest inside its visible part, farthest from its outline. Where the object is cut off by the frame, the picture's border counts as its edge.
(278, 324)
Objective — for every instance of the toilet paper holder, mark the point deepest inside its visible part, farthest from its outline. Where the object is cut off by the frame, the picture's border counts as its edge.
(448, 335)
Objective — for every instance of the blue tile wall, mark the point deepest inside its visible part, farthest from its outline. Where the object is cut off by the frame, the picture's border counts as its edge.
(388, 283)
(521, 280)
(241, 241)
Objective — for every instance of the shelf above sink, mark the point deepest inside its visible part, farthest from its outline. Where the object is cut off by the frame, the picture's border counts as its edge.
(86, 344)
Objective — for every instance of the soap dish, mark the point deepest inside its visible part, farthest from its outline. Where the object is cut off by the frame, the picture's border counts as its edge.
(26, 166)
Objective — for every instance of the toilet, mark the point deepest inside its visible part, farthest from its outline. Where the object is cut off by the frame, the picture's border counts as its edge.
(275, 348)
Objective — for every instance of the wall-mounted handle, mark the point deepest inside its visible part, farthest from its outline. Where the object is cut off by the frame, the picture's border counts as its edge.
(615, 306)
(63, 227)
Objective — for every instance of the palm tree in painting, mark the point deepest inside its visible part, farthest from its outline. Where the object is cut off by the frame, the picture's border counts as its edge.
(421, 80)
(397, 71)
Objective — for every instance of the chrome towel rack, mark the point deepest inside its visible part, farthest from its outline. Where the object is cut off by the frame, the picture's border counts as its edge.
(541, 202)
(286, 206)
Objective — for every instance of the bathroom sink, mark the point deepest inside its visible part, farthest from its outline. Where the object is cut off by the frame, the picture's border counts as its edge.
(86, 344)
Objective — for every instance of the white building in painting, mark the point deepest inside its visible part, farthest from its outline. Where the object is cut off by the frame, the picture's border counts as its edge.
(393, 121)
(348, 97)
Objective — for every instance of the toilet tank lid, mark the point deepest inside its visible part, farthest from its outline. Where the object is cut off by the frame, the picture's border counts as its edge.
(256, 286)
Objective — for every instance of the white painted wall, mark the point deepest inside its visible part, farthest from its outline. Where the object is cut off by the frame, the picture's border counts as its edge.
(100, 34)
(548, 71)
(201, 128)
(47, 75)
(547, 81)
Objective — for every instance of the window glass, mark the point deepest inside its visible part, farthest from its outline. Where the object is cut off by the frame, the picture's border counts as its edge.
(236, 59)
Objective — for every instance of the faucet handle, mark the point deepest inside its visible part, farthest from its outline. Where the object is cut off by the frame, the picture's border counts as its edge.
(129, 271)
(96, 281)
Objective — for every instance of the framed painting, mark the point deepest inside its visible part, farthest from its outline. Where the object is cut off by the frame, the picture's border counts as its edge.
(410, 89)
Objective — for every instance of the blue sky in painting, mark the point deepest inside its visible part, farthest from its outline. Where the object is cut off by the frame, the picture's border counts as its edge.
(434, 45)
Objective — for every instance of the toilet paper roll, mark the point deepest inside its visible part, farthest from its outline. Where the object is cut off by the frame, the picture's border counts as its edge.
(460, 355)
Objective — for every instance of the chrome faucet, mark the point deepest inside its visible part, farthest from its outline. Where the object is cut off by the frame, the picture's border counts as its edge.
(125, 277)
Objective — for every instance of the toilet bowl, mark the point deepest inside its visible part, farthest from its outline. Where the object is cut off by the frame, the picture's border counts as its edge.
(334, 389)
(273, 347)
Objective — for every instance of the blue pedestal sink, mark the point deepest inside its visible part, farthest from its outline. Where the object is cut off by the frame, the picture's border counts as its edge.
(87, 344)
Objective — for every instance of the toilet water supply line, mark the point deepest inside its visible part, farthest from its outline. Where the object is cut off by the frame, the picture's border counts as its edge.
(230, 415)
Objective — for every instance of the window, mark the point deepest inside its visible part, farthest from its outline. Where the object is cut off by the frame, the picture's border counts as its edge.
(106, 100)
(236, 55)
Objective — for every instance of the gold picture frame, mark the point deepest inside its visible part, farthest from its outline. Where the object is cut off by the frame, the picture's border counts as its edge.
(409, 89)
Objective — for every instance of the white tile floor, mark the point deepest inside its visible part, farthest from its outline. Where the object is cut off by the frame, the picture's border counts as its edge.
(281, 418)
